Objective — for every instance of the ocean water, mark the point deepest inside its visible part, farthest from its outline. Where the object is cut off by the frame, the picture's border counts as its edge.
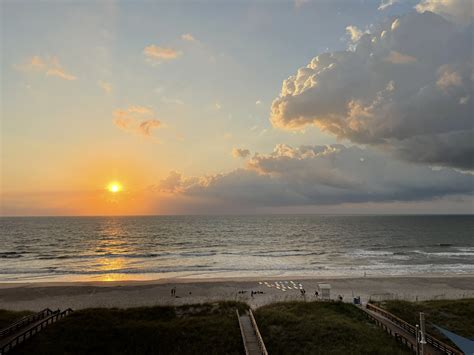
(140, 248)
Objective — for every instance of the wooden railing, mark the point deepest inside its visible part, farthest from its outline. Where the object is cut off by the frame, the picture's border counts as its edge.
(12, 328)
(438, 344)
(261, 344)
(28, 333)
(399, 337)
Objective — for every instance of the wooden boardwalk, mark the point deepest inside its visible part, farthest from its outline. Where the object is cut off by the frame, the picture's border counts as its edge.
(405, 332)
(253, 342)
(26, 327)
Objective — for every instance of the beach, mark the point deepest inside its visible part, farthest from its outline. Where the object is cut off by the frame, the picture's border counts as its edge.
(126, 294)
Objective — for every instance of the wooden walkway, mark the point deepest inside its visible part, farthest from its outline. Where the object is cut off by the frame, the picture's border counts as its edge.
(253, 342)
(405, 332)
(26, 327)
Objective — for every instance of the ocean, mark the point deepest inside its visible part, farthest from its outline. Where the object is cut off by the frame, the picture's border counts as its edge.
(153, 247)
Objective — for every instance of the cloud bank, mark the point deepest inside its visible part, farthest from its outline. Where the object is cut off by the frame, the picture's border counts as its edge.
(322, 175)
(406, 88)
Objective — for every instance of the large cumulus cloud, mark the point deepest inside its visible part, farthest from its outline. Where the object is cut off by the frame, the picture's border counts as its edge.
(321, 175)
(406, 88)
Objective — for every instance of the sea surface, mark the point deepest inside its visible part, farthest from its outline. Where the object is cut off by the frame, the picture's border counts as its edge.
(142, 248)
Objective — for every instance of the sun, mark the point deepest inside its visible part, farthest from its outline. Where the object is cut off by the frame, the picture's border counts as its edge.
(114, 187)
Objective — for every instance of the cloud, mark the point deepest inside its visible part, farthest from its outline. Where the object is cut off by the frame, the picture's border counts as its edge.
(258, 102)
(401, 85)
(354, 33)
(322, 175)
(395, 57)
(136, 119)
(157, 54)
(448, 78)
(460, 11)
(34, 63)
(50, 66)
(104, 85)
(240, 153)
(60, 73)
(188, 37)
(146, 127)
(142, 110)
(387, 3)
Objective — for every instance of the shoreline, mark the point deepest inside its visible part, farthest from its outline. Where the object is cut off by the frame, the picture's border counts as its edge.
(222, 279)
(126, 294)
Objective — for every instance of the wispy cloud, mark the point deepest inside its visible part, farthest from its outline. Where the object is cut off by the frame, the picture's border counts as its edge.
(50, 66)
(147, 126)
(156, 54)
(386, 4)
(136, 119)
(169, 100)
(395, 57)
(188, 37)
(60, 73)
(106, 86)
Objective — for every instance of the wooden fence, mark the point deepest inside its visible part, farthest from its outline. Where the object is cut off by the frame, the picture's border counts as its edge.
(399, 337)
(261, 344)
(12, 328)
(28, 333)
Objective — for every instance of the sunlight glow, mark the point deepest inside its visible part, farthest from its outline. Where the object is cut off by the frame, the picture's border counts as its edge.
(114, 187)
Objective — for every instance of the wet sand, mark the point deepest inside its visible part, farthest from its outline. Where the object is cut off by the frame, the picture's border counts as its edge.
(37, 296)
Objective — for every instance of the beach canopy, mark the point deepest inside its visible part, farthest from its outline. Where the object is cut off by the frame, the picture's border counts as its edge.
(466, 345)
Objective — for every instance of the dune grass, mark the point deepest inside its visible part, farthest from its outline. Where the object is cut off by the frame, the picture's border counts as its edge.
(287, 328)
(454, 315)
(322, 328)
(193, 329)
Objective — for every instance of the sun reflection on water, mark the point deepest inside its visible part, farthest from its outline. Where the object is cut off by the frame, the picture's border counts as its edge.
(110, 246)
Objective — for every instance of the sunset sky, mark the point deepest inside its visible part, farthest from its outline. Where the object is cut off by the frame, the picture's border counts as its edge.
(236, 107)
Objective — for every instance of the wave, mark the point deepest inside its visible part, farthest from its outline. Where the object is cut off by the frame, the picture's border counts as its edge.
(444, 253)
(10, 255)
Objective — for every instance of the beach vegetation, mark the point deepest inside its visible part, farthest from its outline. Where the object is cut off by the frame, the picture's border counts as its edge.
(210, 328)
(322, 328)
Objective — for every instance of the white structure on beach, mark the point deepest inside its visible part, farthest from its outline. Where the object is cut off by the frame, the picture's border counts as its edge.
(324, 291)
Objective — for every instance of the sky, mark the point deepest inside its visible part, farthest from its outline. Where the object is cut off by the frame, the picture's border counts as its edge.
(217, 107)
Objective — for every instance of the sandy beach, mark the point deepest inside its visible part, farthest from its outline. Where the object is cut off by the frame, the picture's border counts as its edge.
(77, 295)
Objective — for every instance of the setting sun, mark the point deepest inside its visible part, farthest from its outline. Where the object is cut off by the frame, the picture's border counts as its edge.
(114, 187)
